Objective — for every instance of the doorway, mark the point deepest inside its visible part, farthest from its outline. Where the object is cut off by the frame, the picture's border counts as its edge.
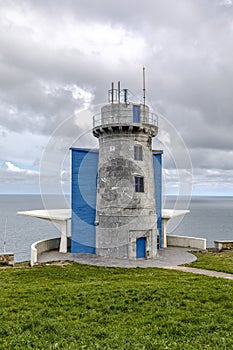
(136, 114)
(141, 248)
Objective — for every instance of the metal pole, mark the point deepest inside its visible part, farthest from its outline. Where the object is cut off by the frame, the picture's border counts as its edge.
(112, 94)
(144, 86)
(125, 96)
(119, 92)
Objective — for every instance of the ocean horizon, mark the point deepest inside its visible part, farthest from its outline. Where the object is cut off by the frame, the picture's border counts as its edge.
(210, 217)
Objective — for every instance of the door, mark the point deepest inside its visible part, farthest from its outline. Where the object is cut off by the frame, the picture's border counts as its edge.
(136, 114)
(141, 248)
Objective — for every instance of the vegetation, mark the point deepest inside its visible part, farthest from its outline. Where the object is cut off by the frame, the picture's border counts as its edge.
(84, 307)
(222, 262)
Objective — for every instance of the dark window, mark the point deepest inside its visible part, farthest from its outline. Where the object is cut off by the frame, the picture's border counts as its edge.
(138, 152)
(139, 184)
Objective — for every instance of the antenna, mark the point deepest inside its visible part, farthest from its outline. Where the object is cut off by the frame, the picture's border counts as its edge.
(144, 85)
(125, 96)
(119, 92)
(112, 93)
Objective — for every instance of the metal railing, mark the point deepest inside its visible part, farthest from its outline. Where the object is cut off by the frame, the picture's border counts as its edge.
(124, 117)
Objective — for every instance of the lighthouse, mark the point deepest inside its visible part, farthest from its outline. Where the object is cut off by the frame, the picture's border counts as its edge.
(116, 190)
(126, 219)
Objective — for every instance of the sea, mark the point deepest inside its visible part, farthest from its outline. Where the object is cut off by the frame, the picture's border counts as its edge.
(209, 217)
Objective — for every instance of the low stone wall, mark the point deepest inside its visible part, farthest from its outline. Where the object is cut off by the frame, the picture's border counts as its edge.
(220, 245)
(186, 242)
(7, 258)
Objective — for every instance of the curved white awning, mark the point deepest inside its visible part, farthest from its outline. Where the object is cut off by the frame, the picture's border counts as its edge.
(59, 216)
(172, 213)
(51, 214)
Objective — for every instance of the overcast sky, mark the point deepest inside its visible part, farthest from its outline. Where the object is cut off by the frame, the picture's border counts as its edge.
(59, 57)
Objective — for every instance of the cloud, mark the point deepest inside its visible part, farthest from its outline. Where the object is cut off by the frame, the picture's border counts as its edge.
(16, 179)
(15, 169)
(225, 3)
(59, 57)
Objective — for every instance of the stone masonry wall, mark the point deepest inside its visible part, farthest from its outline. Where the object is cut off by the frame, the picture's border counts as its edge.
(123, 214)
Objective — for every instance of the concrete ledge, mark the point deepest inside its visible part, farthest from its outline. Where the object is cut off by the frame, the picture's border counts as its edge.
(220, 245)
(186, 242)
(43, 246)
(47, 245)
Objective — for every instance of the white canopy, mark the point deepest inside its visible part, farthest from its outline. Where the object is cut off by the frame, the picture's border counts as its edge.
(62, 216)
(59, 216)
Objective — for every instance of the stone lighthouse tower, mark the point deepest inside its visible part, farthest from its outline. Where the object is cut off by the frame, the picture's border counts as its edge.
(126, 221)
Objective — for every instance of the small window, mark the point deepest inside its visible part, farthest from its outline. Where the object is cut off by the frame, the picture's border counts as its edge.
(139, 184)
(138, 152)
(136, 114)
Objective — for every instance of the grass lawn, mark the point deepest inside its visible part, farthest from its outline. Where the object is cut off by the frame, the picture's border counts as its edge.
(222, 262)
(85, 307)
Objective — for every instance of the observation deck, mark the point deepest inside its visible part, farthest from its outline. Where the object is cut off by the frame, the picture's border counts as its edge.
(125, 117)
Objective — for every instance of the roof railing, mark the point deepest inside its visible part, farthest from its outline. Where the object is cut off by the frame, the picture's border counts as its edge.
(124, 117)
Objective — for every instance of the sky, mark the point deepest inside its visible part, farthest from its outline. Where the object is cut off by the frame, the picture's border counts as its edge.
(59, 57)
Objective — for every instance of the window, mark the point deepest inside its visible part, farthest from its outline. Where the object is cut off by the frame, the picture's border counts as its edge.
(138, 152)
(139, 184)
(136, 114)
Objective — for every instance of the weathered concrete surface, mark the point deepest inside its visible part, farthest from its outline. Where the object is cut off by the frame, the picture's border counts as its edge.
(165, 258)
(121, 114)
(123, 214)
(186, 241)
(42, 246)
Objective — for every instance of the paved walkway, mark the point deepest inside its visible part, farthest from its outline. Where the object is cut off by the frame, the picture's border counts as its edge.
(168, 258)
(210, 273)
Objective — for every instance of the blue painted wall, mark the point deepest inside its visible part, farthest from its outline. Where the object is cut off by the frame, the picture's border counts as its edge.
(157, 163)
(84, 181)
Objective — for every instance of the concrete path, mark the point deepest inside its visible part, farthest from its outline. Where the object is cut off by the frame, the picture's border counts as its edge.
(209, 273)
(168, 258)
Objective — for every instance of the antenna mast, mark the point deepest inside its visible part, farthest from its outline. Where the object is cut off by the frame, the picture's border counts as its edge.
(144, 86)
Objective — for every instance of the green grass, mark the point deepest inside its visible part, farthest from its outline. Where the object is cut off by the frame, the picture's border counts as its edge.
(85, 307)
(222, 262)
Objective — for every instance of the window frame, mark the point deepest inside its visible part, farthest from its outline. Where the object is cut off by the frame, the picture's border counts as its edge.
(139, 183)
(138, 152)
